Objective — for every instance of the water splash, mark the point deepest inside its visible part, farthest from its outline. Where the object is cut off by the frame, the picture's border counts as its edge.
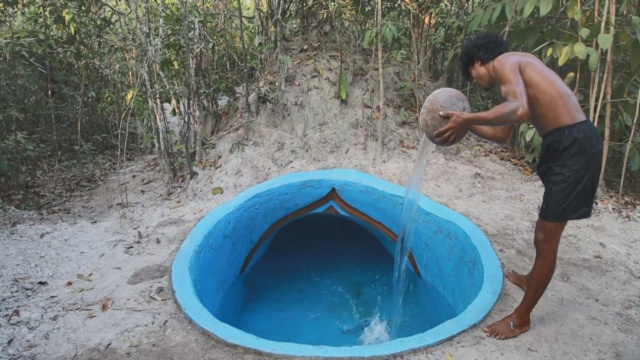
(377, 332)
(405, 236)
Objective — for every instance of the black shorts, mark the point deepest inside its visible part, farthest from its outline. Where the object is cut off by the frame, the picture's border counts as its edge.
(569, 167)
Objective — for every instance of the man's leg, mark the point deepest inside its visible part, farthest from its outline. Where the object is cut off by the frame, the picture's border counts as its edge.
(546, 241)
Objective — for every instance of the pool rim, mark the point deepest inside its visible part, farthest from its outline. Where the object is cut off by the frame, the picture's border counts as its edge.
(188, 300)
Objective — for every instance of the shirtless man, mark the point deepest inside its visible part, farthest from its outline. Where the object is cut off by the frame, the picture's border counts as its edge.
(570, 157)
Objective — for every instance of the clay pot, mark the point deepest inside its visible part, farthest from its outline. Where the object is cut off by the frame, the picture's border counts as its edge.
(443, 99)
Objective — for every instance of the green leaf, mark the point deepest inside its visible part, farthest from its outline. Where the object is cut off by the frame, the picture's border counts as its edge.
(368, 38)
(627, 119)
(388, 36)
(550, 51)
(564, 55)
(635, 54)
(531, 36)
(584, 33)
(635, 21)
(545, 7)
(475, 20)
(605, 40)
(343, 87)
(569, 78)
(528, 8)
(537, 141)
(523, 128)
(634, 163)
(593, 61)
(487, 14)
(508, 9)
(580, 50)
(572, 8)
(496, 13)
(530, 134)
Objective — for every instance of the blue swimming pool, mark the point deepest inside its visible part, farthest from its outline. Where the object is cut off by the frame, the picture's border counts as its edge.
(302, 265)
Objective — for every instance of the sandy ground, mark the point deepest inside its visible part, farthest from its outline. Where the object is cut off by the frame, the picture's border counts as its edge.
(92, 281)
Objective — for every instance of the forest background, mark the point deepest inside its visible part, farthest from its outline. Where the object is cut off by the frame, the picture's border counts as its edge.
(87, 86)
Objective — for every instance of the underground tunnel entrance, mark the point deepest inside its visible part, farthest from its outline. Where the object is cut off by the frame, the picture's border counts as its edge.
(323, 280)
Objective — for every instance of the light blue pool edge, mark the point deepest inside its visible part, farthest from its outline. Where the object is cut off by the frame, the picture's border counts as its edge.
(187, 297)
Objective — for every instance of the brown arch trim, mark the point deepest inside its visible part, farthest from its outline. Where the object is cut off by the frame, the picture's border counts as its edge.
(332, 195)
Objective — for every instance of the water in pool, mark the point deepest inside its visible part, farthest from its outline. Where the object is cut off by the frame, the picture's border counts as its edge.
(326, 280)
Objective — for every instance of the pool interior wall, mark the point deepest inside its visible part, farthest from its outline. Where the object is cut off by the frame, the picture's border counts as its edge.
(323, 281)
(457, 260)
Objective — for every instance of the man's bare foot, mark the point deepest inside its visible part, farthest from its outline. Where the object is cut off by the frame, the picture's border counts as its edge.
(507, 328)
(519, 280)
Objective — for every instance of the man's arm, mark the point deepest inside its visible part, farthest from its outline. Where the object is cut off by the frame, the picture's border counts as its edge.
(499, 134)
(514, 109)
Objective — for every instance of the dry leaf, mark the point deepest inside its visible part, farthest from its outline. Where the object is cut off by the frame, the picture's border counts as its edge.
(82, 289)
(407, 145)
(131, 342)
(175, 206)
(15, 312)
(449, 356)
(106, 304)
(320, 70)
(84, 277)
(68, 283)
(217, 190)
(30, 346)
(159, 295)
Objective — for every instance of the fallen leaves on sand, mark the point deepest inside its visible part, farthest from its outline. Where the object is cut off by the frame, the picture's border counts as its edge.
(407, 145)
(129, 343)
(160, 294)
(30, 346)
(175, 206)
(106, 304)
(82, 289)
(84, 277)
(14, 313)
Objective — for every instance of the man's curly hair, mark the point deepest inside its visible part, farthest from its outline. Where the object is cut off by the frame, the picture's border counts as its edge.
(484, 46)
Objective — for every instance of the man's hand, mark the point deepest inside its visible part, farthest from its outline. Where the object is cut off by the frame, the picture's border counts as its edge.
(454, 129)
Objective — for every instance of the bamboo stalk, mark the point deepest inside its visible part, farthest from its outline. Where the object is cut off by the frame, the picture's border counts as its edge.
(628, 150)
(595, 75)
(380, 76)
(609, 70)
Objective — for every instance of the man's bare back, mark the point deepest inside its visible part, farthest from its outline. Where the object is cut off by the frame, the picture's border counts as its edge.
(551, 103)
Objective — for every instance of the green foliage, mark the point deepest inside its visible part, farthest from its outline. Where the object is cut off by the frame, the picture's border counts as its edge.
(80, 78)
(76, 80)
(529, 142)
(391, 36)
